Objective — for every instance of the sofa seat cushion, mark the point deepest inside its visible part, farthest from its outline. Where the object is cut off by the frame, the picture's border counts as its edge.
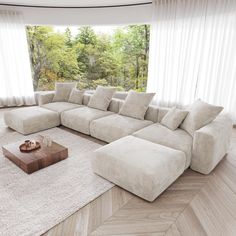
(29, 120)
(177, 139)
(79, 119)
(139, 166)
(116, 126)
(60, 106)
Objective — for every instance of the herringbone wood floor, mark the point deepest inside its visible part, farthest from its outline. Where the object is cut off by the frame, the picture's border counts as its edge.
(194, 205)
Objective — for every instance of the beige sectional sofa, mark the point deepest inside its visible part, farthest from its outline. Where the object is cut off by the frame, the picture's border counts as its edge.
(142, 156)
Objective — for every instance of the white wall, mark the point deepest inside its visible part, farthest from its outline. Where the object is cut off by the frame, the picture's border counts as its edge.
(99, 16)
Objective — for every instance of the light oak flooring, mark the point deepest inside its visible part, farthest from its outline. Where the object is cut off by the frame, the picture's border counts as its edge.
(194, 205)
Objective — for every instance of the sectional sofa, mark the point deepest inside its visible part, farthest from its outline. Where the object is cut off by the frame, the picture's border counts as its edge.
(142, 156)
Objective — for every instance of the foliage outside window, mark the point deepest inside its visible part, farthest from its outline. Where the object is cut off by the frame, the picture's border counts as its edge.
(90, 58)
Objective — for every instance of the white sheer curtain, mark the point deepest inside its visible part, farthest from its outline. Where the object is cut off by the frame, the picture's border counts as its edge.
(16, 86)
(193, 52)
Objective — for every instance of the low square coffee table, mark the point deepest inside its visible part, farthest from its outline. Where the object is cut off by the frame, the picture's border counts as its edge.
(37, 159)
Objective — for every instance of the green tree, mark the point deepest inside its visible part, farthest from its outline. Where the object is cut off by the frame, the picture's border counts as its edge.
(51, 58)
(92, 59)
(86, 36)
(68, 38)
(132, 44)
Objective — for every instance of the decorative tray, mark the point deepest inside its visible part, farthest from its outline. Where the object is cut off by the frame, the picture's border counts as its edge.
(29, 148)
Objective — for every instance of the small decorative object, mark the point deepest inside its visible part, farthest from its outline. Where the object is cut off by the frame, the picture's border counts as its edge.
(29, 146)
(33, 143)
(27, 143)
(47, 141)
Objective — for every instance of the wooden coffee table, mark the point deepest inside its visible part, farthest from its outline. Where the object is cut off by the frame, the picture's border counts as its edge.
(35, 160)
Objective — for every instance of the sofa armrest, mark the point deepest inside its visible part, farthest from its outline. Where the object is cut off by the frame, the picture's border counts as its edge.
(210, 144)
(45, 98)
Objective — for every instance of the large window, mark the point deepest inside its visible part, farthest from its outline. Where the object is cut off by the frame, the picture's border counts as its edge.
(109, 56)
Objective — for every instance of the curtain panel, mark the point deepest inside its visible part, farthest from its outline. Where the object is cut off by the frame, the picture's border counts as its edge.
(16, 87)
(193, 52)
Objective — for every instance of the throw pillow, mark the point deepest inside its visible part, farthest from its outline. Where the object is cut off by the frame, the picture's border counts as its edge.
(136, 104)
(200, 114)
(174, 118)
(101, 98)
(76, 96)
(63, 91)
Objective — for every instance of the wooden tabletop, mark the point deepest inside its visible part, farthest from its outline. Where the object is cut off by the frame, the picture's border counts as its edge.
(37, 159)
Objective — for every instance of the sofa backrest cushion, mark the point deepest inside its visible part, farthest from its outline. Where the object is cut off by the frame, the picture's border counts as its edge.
(200, 114)
(136, 104)
(62, 91)
(101, 98)
(86, 98)
(115, 105)
(162, 111)
(76, 96)
(174, 118)
(152, 113)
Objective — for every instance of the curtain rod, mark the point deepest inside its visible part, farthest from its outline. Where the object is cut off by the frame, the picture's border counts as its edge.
(74, 7)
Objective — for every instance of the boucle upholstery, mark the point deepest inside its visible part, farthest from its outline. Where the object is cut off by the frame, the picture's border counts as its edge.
(63, 90)
(79, 119)
(139, 166)
(29, 120)
(45, 98)
(152, 114)
(162, 111)
(173, 118)
(60, 106)
(114, 105)
(101, 98)
(86, 98)
(76, 96)
(113, 127)
(177, 139)
(210, 144)
(200, 114)
(136, 104)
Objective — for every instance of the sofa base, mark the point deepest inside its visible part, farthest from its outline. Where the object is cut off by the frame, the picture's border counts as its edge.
(30, 120)
(139, 166)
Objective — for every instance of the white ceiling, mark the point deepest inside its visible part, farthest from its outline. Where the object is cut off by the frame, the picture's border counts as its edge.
(138, 14)
(69, 3)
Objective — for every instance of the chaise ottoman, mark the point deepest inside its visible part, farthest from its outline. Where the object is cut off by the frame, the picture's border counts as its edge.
(139, 166)
(29, 120)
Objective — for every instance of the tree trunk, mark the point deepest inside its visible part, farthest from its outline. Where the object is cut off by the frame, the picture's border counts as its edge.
(146, 42)
(36, 75)
(146, 49)
(137, 73)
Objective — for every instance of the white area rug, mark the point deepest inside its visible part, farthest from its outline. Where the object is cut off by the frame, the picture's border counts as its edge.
(32, 204)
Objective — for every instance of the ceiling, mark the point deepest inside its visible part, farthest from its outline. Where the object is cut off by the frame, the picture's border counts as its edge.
(56, 12)
(72, 3)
